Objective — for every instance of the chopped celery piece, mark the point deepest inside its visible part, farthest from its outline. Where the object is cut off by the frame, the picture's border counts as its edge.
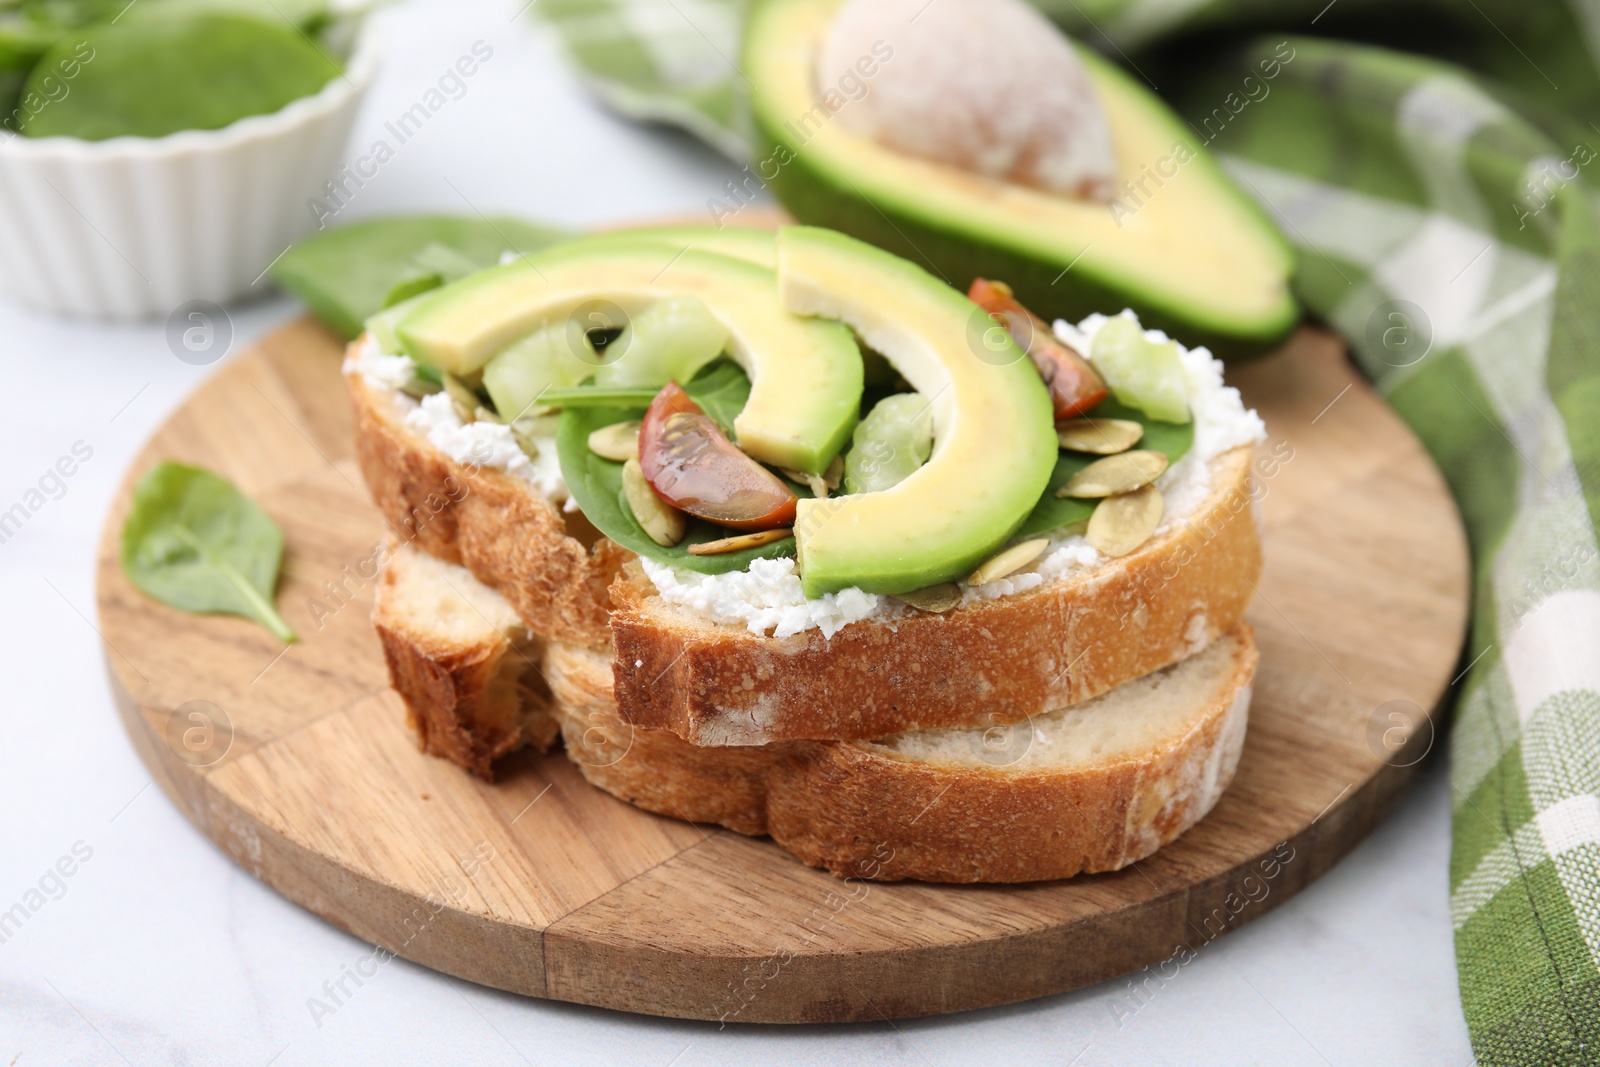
(889, 444)
(520, 372)
(669, 341)
(1141, 373)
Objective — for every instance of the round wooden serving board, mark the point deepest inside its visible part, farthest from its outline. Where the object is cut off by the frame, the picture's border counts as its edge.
(307, 776)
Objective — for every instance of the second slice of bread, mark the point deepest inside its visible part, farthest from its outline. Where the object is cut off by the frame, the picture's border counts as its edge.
(1089, 787)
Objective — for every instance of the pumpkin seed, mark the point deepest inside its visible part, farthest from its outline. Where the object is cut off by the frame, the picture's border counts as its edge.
(835, 472)
(665, 524)
(740, 543)
(465, 400)
(1010, 561)
(417, 388)
(1123, 522)
(935, 598)
(529, 446)
(483, 414)
(817, 483)
(1121, 473)
(1102, 437)
(618, 442)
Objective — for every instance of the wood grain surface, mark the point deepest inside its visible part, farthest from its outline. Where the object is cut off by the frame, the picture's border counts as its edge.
(301, 769)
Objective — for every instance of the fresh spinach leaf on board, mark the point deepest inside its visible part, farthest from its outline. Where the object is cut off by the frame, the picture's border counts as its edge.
(345, 273)
(1051, 513)
(194, 542)
(596, 484)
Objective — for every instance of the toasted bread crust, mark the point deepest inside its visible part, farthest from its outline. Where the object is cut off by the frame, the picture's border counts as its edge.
(507, 535)
(465, 701)
(1015, 656)
(860, 810)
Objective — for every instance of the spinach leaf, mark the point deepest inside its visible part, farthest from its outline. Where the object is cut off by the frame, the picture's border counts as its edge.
(434, 266)
(721, 390)
(195, 543)
(176, 70)
(1051, 514)
(344, 274)
(596, 484)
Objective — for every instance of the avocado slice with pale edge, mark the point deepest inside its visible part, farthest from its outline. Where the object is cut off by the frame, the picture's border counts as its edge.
(1197, 259)
(994, 431)
(805, 374)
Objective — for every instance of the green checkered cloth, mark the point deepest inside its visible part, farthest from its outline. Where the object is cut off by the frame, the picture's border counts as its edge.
(1433, 164)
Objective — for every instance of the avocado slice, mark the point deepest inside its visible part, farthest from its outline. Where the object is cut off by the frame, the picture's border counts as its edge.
(805, 375)
(753, 246)
(1185, 249)
(994, 432)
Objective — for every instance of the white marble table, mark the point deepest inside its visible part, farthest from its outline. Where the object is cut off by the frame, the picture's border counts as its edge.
(157, 949)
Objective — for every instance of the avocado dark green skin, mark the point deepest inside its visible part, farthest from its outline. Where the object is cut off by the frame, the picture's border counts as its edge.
(813, 198)
(834, 189)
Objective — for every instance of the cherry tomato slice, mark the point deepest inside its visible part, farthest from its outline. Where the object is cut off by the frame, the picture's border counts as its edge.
(692, 465)
(1074, 385)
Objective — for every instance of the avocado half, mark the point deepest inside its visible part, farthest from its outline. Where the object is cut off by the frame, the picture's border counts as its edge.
(1182, 246)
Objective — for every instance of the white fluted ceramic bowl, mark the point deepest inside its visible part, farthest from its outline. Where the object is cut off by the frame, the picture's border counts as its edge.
(137, 226)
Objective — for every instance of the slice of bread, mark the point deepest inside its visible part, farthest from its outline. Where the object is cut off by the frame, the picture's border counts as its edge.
(996, 660)
(1065, 641)
(552, 566)
(1091, 787)
(466, 666)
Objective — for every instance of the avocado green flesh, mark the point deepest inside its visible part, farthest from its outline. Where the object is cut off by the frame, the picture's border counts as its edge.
(1195, 258)
(994, 433)
(805, 375)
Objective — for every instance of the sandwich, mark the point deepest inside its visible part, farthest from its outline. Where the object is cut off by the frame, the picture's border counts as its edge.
(782, 532)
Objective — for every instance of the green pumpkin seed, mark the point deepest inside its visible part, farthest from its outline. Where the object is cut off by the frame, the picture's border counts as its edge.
(465, 400)
(1100, 437)
(417, 388)
(1010, 561)
(664, 524)
(739, 543)
(1122, 523)
(529, 446)
(935, 598)
(618, 442)
(1121, 473)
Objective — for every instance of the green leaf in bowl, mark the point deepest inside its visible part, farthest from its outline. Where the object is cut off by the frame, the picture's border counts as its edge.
(344, 274)
(1051, 513)
(195, 543)
(176, 70)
